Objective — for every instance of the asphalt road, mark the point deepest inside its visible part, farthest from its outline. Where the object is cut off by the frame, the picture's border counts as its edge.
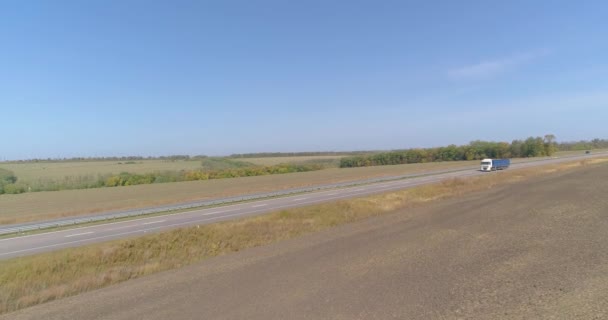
(531, 250)
(49, 241)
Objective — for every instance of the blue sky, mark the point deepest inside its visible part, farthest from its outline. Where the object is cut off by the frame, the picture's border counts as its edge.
(113, 78)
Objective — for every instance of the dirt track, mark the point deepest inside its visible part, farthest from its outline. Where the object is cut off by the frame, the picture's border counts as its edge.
(535, 250)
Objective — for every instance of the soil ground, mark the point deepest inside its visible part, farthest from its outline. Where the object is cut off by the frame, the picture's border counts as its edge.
(531, 250)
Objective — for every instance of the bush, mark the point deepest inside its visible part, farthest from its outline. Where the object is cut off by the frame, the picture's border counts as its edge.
(14, 188)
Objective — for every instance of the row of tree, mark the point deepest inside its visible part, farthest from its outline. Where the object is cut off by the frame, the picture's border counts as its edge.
(295, 154)
(125, 158)
(583, 145)
(531, 147)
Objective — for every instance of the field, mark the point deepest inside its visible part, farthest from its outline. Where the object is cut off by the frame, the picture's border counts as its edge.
(45, 205)
(55, 204)
(32, 171)
(36, 279)
(270, 161)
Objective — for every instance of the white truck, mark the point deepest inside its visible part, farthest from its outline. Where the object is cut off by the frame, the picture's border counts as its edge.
(494, 164)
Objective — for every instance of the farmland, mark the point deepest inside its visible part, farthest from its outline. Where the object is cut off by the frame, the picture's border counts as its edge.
(33, 171)
(45, 205)
(270, 161)
(513, 245)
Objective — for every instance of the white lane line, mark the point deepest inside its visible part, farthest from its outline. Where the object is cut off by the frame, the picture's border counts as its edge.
(299, 199)
(124, 227)
(78, 234)
(332, 194)
(259, 205)
(153, 222)
(214, 212)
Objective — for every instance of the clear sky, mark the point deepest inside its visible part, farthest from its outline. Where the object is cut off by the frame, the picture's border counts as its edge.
(114, 78)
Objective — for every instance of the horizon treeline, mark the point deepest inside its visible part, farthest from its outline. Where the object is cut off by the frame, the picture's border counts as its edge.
(295, 154)
(475, 150)
(125, 158)
(583, 145)
(561, 146)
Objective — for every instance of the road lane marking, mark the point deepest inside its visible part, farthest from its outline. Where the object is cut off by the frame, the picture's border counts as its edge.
(78, 234)
(123, 227)
(153, 222)
(259, 205)
(214, 212)
(299, 199)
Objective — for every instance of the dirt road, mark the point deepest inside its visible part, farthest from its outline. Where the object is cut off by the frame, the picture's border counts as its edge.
(534, 250)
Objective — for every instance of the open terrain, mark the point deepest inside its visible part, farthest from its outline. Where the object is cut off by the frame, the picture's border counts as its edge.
(534, 249)
(47, 205)
(271, 161)
(33, 171)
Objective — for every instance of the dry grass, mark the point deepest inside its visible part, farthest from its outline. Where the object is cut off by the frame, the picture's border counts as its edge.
(47, 205)
(36, 279)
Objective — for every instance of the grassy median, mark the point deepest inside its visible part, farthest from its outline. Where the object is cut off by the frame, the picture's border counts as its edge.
(36, 279)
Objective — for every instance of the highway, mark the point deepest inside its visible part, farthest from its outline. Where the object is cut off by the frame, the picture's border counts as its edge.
(55, 240)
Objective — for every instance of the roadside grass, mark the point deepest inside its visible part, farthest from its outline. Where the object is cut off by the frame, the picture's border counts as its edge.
(40, 278)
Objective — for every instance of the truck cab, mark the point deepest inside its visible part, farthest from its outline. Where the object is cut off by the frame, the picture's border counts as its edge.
(486, 165)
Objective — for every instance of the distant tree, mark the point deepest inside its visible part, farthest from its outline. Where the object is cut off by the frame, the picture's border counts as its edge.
(549, 144)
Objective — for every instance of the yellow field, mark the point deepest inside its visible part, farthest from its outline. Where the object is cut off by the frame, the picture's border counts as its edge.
(53, 204)
(35, 170)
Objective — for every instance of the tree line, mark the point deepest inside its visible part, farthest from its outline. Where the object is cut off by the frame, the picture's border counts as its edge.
(476, 150)
(295, 154)
(583, 145)
(125, 158)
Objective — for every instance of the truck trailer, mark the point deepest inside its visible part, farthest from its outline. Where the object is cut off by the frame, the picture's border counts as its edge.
(494, 164)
